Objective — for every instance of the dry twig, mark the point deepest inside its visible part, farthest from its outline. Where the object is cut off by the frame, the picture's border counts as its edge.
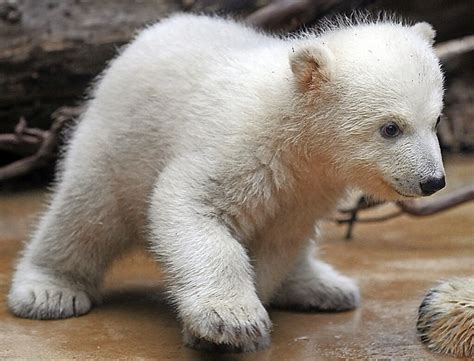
(416, 208)
(23, 141)
(454, 48)
(421, 208)
(38, 146)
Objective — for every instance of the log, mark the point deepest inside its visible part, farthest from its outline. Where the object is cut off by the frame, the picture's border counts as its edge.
(51, 50)
(456, 130)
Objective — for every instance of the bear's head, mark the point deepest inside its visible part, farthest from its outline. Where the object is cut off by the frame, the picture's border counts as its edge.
(373, 95)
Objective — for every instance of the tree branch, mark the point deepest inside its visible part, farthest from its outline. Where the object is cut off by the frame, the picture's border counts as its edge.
(23, 141)
(419, 208)
(416, 208)
(40, 144)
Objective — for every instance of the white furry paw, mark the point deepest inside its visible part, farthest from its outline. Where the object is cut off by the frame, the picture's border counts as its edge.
(200, 344)
(46, 300)
(318, 286)
(227, 327)
(446, 318)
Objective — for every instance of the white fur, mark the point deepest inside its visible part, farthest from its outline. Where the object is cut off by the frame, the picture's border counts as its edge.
(221, 148)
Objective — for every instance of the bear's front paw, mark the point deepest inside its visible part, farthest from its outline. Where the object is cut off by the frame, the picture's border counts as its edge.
(227, 326)
(47, 300)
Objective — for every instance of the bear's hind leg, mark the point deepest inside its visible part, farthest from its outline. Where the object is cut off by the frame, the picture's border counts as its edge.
(60, 271)
(314, 284)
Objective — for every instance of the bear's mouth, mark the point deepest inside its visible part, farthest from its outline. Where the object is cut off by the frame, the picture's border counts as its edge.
(396, 190)
(405, 195)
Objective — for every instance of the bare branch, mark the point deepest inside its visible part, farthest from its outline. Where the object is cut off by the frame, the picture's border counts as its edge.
(20, 145)
(450, 49)
(420, 208)
(371, 219)
(45, 143)
(417, 208)
(362, 203)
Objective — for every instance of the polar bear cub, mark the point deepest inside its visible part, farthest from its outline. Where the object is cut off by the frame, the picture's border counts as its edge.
(220, 148)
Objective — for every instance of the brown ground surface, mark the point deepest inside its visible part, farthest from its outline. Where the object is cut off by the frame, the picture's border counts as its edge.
(395, 263)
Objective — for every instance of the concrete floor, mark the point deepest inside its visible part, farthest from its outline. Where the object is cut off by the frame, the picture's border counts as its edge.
(395, 263)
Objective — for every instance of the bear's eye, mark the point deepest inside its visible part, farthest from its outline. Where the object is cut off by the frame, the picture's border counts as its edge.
(390, 130)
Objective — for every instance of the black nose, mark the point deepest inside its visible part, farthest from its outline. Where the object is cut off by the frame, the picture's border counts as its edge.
(432, 185)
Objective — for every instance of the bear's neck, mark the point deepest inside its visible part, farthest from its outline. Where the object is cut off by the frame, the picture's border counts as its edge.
(286, 177)
(290, 195)
(301, 174)
(314, 180)
(301, 148)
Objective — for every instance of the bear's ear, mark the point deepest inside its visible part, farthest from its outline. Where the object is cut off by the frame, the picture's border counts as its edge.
(426, 31)
(311, 64)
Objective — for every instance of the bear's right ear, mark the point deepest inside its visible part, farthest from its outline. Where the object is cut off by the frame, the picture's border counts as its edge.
(426, 31)
(311, 64)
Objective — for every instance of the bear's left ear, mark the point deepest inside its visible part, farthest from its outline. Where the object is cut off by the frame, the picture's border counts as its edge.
(426, 31)
(311, 64)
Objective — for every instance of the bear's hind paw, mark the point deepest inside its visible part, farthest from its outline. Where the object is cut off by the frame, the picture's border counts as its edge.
(47, 301)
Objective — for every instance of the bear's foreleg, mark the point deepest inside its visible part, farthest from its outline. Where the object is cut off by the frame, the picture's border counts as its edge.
(210, 277)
